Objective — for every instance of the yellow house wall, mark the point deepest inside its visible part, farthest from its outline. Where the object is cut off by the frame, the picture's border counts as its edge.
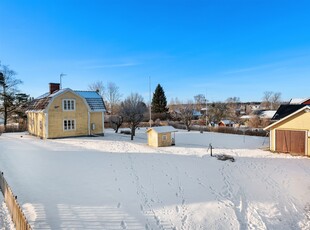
(56, 116)
(156, 139)
(97, 119)
(152, 138)
(163, 143)
(300, 121)
(36, 124)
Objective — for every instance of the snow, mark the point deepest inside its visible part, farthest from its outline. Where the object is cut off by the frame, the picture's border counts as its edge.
(5, 218)
(163, 129)
(111, 182)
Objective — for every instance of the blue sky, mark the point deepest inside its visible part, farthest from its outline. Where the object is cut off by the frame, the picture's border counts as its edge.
(220, 48)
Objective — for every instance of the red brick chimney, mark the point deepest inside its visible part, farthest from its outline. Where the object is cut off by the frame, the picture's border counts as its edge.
(54, 87)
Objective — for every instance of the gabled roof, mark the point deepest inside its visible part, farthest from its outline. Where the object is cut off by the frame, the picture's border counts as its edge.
(298, 101)
(304, 108)
(285, 110)
(227, 122)
(92, 98)
(162, 129)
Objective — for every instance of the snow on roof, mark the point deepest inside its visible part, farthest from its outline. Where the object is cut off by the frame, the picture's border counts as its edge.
(227, 122)
(298, 101)
(268, 113)
(162, 129)
(93, 99)
(88, 94)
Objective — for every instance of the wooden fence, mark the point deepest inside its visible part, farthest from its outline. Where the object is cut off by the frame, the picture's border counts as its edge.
(15, 210)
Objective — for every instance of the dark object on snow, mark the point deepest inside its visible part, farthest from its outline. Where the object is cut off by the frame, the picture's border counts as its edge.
(224, 157)
(127, 132)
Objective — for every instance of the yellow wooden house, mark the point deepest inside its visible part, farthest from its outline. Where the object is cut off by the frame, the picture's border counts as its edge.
(161, 136)
(291, 134)
(66, 113)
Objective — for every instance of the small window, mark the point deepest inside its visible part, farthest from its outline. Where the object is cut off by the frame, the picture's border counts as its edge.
(164, 137)
(69, 125)
(68, 104)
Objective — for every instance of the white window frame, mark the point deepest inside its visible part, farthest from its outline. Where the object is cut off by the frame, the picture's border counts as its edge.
(164, 137)
(70, 124)
(68, 105)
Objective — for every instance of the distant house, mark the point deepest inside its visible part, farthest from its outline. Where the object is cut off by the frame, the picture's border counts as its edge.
(262, 114)
(161, 136)
(300, 101)
(226, 123)
(291, 132)
(66, 113)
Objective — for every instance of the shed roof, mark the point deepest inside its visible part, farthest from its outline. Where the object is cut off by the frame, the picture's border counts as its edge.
(162, 129)
(285, 110)
(304, 108)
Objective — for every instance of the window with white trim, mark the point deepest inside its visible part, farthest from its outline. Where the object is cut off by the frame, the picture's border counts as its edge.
(68, 104)
(164, 137)
(69, 125)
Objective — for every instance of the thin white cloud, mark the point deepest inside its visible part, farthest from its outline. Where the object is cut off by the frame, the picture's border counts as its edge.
(250, 69)
(110, 65)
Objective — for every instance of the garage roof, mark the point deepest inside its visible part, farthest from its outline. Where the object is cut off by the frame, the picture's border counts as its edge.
(304, 108)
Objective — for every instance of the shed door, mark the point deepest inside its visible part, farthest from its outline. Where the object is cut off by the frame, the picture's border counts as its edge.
(289, 141)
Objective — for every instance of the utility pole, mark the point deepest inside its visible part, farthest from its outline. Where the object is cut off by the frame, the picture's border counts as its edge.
(150, 108)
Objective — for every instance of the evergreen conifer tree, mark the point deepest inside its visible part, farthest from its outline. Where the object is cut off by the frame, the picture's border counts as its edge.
(159, 101)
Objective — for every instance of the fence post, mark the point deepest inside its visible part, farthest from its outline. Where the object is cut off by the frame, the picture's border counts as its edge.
(210, 147)
(15, 210)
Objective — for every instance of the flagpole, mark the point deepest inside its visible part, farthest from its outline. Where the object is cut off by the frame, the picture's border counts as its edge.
(150, 108)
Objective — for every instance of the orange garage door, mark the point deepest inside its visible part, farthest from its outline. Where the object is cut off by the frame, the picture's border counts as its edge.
(288, 141)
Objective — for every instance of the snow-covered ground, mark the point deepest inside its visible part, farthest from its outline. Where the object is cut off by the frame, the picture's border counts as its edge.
(113, 183)
(5, 219)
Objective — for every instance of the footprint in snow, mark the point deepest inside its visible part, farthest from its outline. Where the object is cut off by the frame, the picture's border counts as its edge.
(118, 205)
(123, 225)
(184, 219)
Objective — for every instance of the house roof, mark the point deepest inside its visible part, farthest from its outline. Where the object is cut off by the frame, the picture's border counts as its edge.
(227, 122)
(93, 99)
(162, 129)
(298, 101)
(285, 110)
(304, 108)
(268, 113)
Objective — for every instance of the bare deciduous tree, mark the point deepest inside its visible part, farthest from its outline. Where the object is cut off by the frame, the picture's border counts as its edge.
(217, 111)
(200, 101)
(276, 100)
(232, 109)
(99, 87)
(113, 96)
(271, 100)
(132, 110)
(116, 122)
(184, 112)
